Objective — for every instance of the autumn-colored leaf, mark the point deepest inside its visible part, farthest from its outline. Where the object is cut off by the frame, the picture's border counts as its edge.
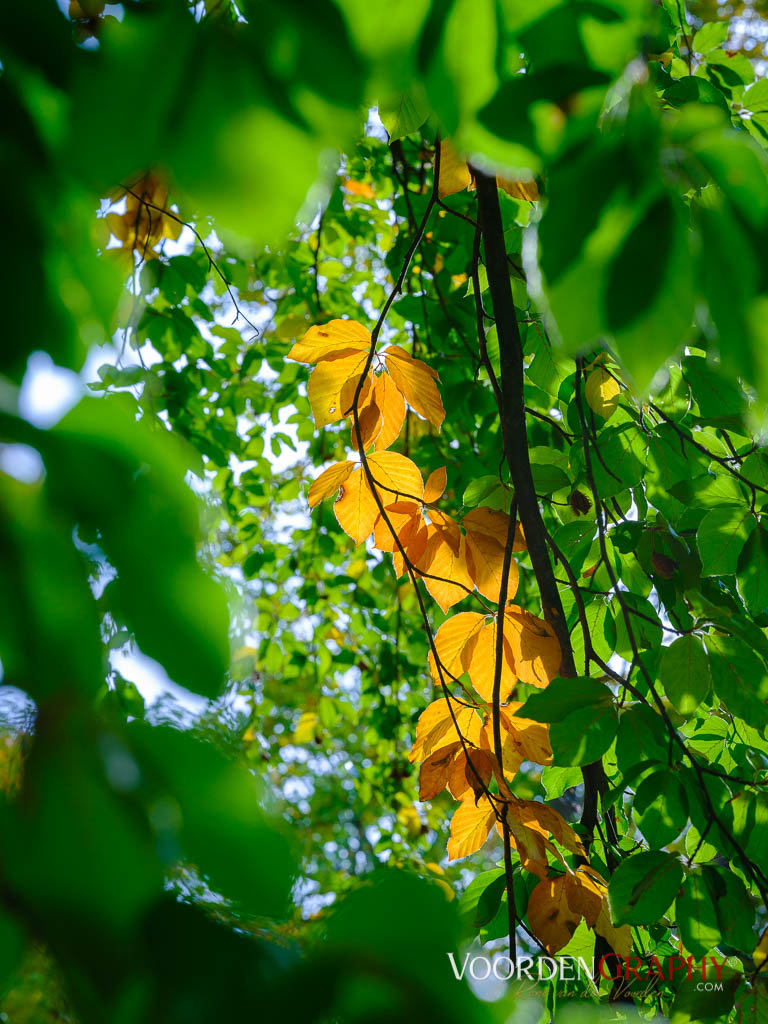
(435, 485)
(485, 562)
(395, 476)
(403, 517)
(602, 392)
(454, 173)
(331, 340)
(550, 916)
(527, 190)
(436, 722)
(470, 826)
(451, 640)
(495, 524)
(435, 771)
(358, 188)
(510, 755)
(471, 773)
(415, 545)
(585, 896)
(535, 648)
(356, 509)
(440, 560)
(546, 820)
(619, 939)
(482, 664)
(371, 422)
(329, 482)
(528, 738)
(531, 845)
(330, 384)
(761, 950)
(389, 399)
(416, 381)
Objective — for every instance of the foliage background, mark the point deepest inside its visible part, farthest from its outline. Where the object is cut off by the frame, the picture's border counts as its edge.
(270, 850)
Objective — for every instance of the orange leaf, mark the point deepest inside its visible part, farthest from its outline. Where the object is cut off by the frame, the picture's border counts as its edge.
(329, 386)
(493, 523)
(370, 424)
(530, 844)
(334, 339)
(435, 722)
(485, 561)
(510, 755)
(535, 649)
(329, 482)
(394, 475)
(471, 777)
(416, 380)
(550, 916)
(434, 773)
(415, 546)
(441, 561)
(358, 188)
(481, 664)
(470, 826)
(389, 399)
(403, 518)
(451, 640)
(435, 485)
(454, 174)
(356, 509)
(546, 820)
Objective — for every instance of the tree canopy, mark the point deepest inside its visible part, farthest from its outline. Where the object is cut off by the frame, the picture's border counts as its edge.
(427, 458)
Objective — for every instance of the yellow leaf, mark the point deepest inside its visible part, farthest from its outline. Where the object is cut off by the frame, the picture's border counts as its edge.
(619, 939)
(546, 820)
(535, 648)
(530, 844)
(435, 485)
(485, 561)
(436, 722)
(403, 517)
(416, 380)
(602, 392)
(452, 581)
(370, 424)
(494, 524)
(470, 826)
(288, 328)
(408, 819)
(585, 896)
(337, 338)
(551, 918)
(761, 950)
(415, 544)
(434, 772)
(306, 730)
(328, 380)
(329, 482)
(471, 773)
(395, 476)
(527, 190)
(529, 739)
(510, 755)
(356, 510)
(450, 642)
(482, 663)
(454, 174)
(389, 399)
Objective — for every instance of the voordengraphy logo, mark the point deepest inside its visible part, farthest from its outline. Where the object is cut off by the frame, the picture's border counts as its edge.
(610, 967)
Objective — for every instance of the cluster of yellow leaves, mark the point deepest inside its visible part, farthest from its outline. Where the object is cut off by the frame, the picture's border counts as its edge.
(384, 495)
(144, 224)
(455, 176)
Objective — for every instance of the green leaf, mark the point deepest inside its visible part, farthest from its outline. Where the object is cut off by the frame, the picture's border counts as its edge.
(697, 916)
(710, 36)
(660, 807)
(752, 571)
(584, 735)
(480, 901)
(685, 674)
(406, 115)
(720, 538)
(740, 677)
(643, 887)
(563, 697)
